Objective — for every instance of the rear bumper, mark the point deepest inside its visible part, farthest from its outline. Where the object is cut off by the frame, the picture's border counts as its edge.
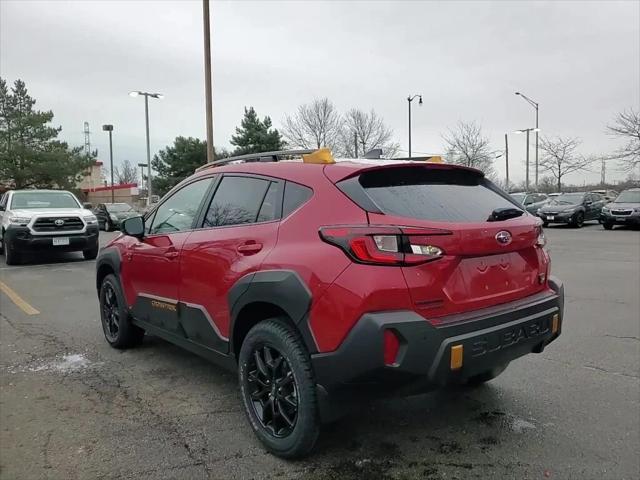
(21, 240)
(490, 338)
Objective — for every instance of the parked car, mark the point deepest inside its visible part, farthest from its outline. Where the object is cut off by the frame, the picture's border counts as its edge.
(608, 195)
(531, 201)
(573, 208)
(110, 215)
(45, 220)
(624, 210)
(328, 284)
(555, 194)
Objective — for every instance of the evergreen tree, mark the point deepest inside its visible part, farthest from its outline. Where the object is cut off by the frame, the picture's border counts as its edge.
(177, 162)
(30, 154)
(255, 135)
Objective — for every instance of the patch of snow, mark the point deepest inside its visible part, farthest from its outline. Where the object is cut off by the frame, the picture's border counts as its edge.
(519, 425)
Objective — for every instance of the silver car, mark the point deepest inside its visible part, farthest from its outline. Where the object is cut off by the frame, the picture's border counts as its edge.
(531, 201)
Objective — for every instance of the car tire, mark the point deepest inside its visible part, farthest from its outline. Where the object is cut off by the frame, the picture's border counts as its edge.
(578, 220)
(11, 257)
(607, 226)
(114, 315)
(545, 224)
(485, 377)
(91, 254)
(275, 372)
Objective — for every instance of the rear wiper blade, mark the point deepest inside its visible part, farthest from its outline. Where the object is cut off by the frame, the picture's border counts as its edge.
(505, 213)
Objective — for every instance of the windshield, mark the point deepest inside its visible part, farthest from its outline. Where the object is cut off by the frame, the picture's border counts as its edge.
(568, 199)
(36, 199)
(630, 196)
(119, 207)
(519, 196)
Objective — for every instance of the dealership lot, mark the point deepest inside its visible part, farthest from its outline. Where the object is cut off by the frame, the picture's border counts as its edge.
(72, 407)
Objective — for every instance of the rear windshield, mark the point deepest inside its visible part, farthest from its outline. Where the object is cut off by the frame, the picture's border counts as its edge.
(43, 200)
(430, 194)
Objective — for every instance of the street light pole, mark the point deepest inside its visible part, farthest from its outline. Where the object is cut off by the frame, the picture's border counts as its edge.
(536, 106)
(207, 79)
(109, 128)
(146, 120)
(409, 100)
(527, 130)
(142, 165)
(506, 159)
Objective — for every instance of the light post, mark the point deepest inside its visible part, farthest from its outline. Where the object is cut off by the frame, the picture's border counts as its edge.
(207, 78)
(409, 100)
(534, 105)
(109, 128)
(146, 119)
(527, 130)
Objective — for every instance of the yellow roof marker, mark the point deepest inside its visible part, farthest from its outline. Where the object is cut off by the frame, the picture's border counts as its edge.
(17, 299)
(321, 156)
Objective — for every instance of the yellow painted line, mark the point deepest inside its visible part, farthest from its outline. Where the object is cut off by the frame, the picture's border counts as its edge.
(17, 299)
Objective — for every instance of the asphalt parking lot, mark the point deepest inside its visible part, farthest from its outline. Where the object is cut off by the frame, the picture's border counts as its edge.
(72, 407)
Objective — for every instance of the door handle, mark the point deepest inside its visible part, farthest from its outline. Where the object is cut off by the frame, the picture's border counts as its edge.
(249, 248)
(171, 254)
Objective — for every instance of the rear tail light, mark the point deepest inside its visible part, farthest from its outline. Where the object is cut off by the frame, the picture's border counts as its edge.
(391, 347)
(541, 240)
(386, 245)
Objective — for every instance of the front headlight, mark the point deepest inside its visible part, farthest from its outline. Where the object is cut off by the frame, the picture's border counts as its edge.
(22, 221)
(113, 217)
(90, 219)
(605, 210)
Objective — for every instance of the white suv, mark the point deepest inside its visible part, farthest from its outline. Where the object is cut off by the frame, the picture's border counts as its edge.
(37, 220)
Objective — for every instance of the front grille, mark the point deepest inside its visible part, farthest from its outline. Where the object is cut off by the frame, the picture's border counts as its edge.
(48, 224)
(621, 212)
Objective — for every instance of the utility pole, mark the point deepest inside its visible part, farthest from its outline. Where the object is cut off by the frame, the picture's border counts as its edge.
(536, 106)
(603, 173)
(527, 177)
(87, 152)
(506, 159)
(207, 78)
(109, 128)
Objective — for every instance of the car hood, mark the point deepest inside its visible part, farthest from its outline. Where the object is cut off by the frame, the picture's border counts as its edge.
(54, 212)
(622, 206)
(557, 207)
(123, 215)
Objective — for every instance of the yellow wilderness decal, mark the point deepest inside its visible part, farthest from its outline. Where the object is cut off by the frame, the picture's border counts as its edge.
(163, 305)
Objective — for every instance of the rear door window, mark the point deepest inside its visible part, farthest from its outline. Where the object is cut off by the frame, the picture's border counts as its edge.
(238, 200)
(431, 194)
(294, 196)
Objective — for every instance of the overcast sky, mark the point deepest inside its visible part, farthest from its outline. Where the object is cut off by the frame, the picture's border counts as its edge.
(579, 60)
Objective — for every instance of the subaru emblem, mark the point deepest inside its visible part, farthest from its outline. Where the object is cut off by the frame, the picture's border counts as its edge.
(503, 237)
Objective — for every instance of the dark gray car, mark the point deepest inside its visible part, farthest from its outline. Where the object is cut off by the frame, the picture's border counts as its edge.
(110, 215)
(532, 202)
(573, 208)
(624, 210)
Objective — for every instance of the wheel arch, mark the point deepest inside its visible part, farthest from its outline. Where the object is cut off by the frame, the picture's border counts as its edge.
(108, 262)
(267, 294)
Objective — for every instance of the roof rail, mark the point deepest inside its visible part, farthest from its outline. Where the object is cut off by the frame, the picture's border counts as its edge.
(256, 157)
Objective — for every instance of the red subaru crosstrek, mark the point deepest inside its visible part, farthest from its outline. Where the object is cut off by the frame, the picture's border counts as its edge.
(327, 282)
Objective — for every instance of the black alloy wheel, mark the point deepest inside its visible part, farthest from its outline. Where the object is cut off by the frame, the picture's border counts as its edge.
(273, 390)
(578, 220)
(110, 313)
(114, 315)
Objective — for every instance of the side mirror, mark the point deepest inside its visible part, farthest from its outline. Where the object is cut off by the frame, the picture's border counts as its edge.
(528, 201)
(134, 227)
(588, 202)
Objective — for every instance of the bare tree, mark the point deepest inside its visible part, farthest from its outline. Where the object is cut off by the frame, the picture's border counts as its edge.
(467, 145)
(314, 125)
(627, 126)
(369, 131)
(126, 173)
(560, 158)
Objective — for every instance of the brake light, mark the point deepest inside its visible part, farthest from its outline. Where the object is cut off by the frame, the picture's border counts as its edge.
(386, 245)
(391, 347)
(541, 241)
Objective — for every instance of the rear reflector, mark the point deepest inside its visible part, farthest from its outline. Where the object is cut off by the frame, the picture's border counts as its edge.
(456, 357)
(555, 323)
(391, 347)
